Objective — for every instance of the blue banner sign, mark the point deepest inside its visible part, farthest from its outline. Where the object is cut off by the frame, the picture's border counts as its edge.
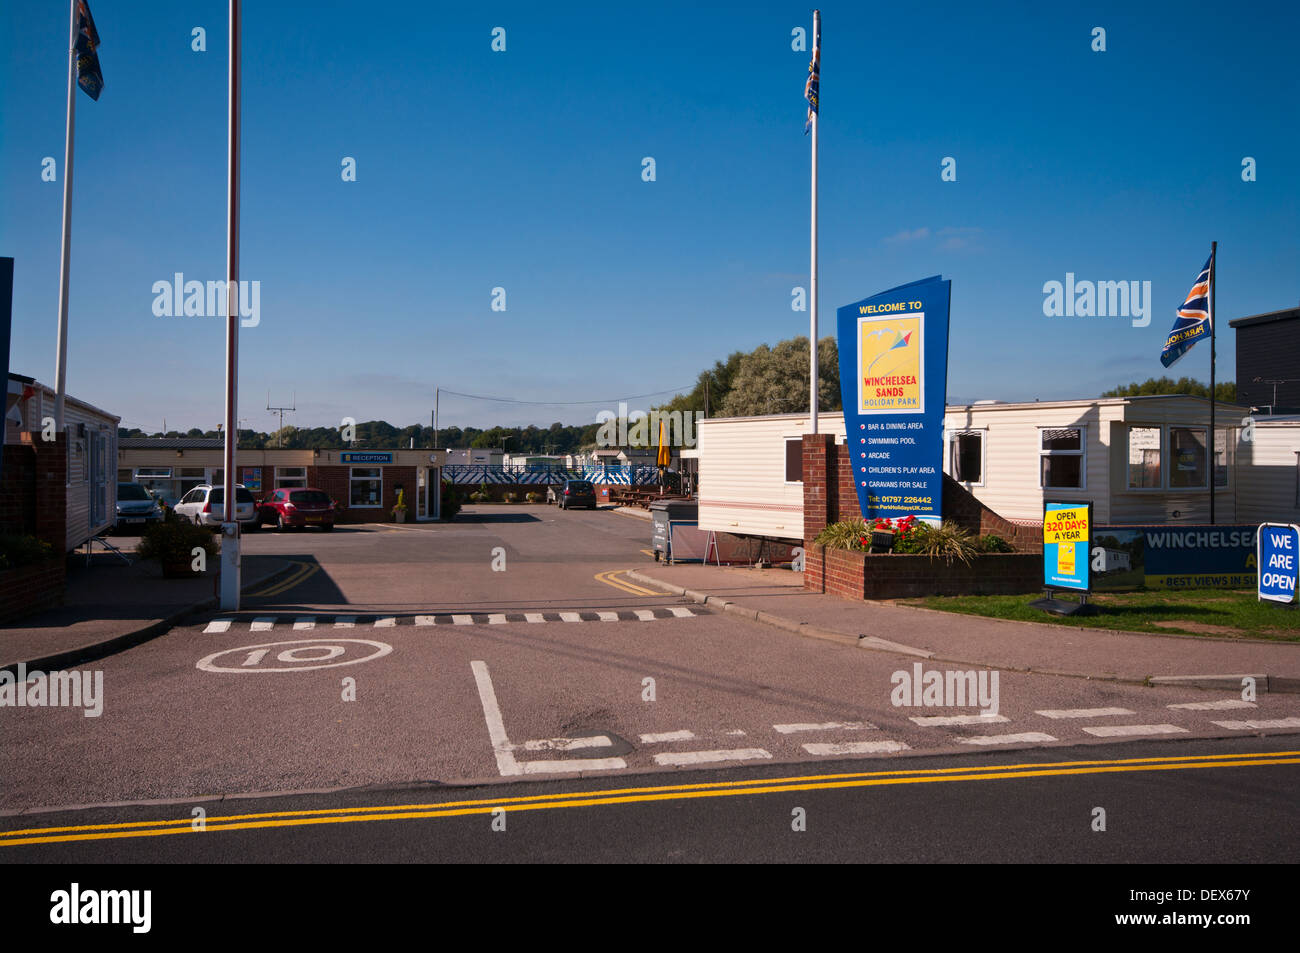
(1174, 556)
(1067, 534)
(365, 458)
(893, 381)
(1279, 561)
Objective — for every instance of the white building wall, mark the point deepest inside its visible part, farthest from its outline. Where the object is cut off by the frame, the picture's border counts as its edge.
(1268, 487)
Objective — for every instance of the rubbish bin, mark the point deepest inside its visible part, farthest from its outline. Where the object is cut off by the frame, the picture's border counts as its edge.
(664, 512)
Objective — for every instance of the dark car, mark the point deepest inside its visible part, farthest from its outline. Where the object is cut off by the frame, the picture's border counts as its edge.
(297, 507)
(572, 493)
(136, 506)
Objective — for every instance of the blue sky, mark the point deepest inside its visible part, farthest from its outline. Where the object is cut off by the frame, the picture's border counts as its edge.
(522, 170)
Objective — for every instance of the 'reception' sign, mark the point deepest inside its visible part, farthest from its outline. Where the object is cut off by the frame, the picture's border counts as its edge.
(893, 382)
(1067, 531)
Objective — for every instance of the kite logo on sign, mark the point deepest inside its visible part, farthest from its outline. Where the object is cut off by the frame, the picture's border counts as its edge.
(889, 356)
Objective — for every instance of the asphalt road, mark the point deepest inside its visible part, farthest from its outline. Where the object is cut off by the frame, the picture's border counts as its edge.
(503, 655)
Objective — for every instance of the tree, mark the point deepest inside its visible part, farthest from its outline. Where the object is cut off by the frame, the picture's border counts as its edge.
(1224, 391)
(775, 380)
(711, 387)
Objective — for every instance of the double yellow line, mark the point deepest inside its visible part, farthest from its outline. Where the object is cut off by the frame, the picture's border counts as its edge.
(607, 577)
(299, 575)
(637, 795)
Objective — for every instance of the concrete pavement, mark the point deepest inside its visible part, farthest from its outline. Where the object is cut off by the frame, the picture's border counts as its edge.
(110, 606)
(777, 597)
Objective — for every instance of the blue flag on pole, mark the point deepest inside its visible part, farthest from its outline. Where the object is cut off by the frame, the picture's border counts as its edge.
(1194, 318)
(89, 77)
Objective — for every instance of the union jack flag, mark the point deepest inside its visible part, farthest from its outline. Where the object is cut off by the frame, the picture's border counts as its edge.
(1194, 319)
(814, 74)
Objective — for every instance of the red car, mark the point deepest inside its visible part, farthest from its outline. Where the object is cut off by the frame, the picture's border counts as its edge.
(297, 507)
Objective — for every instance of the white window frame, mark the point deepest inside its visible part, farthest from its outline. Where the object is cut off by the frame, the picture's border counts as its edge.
(353, 478)
(152, 473)
(1162, 486)
(1082, 453)
(283, 481)
(950, 446)
(785, 450)
(1209, 459)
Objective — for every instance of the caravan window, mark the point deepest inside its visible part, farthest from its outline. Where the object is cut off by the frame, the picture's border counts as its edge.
(966, 455)
(794, 459)
(1061, 458)
(1187, 458)
(1144, 458)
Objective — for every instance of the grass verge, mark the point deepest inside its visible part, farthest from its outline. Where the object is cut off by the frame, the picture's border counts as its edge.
(1200, 612)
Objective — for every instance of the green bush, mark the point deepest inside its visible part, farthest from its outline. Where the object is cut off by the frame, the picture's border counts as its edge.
(991, 543)
(450, 500)
(947, 540)
(532, 497)
(846, 534)
(478, 496)
(18, 551)
(911, 537)
(511, 496)
(174, 542)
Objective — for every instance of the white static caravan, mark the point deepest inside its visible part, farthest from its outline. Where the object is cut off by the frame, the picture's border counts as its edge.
(92, 453)
(1268, 456)
(750, 472)
(1138, 459)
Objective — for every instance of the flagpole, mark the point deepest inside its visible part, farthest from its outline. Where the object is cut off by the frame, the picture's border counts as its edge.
(230, 566)
(1214, 280)
(61, 349)
(812, 284)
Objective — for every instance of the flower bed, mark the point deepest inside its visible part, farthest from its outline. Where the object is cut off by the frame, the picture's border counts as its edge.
(856, 574)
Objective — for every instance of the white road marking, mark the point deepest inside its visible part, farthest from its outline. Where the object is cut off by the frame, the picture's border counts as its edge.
(426, 620)
(533, 617)
(387, 622)
(570, 617)
(1257, 724)
(645, 615)
(263, 623)
(1083, 712)
(567, 744)
(304, 622)
(662, 736)
(608, 616)
(574, 764)
(1115, 731)
(681, 612)
(1023, 738)
(462, 620)
(734, 731)
(824, 726)
(856, 747)
(679, 758)
(217, 626)
(497, 618)
(1214, 706)
(501, 746)
(938, 721)
(345, 622)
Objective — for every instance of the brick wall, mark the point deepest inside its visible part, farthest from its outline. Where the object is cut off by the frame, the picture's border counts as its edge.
(830, 495)
(33, 501)
(856, 575)
(31, 588)
(336, 481)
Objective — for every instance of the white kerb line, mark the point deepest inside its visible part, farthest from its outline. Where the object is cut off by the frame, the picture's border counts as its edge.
(501, 746)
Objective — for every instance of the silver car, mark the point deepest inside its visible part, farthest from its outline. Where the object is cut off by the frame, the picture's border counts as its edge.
(135, 506)
(204, 506)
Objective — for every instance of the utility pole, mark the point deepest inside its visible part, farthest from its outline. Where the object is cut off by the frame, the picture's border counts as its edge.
(282, 411)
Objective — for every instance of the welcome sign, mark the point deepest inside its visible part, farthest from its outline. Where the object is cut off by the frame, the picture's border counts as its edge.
(893, 383)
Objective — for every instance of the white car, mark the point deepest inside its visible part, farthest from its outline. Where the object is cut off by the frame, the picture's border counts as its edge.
(203, 506)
